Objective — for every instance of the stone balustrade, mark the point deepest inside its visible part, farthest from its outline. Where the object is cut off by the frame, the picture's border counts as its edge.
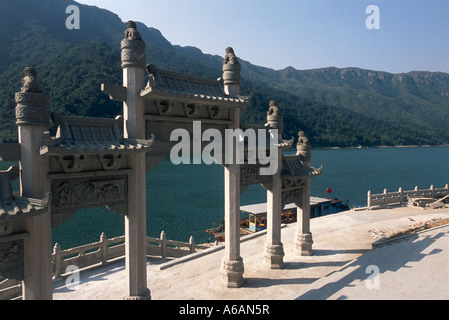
(400, 196)
(10, 289)
(101, 253)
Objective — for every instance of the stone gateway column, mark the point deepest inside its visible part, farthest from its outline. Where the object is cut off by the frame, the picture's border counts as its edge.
(273, 250)
(33, 119)
(303, 237)
(133, 64)
(232, 264)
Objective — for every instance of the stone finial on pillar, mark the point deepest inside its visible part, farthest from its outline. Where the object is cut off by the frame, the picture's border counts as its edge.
(133, 64)
(231, 73)
(133, 47)
(275, 118)
(33, 105)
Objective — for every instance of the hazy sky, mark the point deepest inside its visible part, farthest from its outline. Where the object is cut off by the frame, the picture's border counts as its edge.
(412, 35)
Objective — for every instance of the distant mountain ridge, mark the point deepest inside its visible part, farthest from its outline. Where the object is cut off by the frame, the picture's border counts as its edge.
(335, 106)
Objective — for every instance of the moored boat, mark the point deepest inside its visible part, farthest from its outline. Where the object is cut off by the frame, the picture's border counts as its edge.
(254, 216)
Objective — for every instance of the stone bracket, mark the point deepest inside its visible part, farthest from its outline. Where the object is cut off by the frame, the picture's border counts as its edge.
(111, 161)
(250, 174)
(115, 92)
(72, 163)
(292, 195)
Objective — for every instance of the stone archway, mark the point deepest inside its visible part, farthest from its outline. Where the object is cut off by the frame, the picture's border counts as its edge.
(90, 163)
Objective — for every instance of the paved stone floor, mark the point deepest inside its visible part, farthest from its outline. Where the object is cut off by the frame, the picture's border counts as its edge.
(344, 265)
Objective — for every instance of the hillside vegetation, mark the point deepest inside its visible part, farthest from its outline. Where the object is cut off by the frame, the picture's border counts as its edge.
(335, 107)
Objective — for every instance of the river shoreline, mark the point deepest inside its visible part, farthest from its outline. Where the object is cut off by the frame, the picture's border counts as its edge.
(377, 147)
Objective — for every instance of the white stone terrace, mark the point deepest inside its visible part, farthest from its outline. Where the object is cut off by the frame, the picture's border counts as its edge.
(417, 267)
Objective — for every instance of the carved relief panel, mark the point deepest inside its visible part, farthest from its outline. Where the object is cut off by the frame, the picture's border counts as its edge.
(11, 259)
(85, 190)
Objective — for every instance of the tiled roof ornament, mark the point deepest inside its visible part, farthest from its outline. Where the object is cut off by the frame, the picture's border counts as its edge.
(133, 47)
(166, 85)
(84, 135)
(303, 147)
(231, 73)
(33, 105)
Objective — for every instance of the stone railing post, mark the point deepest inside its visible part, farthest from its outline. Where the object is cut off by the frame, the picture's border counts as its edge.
(401, 195)
(192, 244)
(386, 196)
(163, 245)
(369, 197)
(104, 248)
(58, 260)
(432, 191)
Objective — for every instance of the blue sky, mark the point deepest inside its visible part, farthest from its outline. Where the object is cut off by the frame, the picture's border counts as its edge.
(304, 34)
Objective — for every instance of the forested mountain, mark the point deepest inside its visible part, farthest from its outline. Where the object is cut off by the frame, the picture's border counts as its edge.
(335, 107)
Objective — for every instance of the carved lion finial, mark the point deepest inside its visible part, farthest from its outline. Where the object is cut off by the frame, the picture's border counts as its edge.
(131, 32)
(131, 24)
(230, 57)
(302, 139)
(273, 109)
(29, 81)
(303, 147)
(30, 71)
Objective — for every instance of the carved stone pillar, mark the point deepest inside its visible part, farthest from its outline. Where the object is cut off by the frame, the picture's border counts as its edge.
(33, 118)
(232, 264)
(133, 64)
(273, 251)
(303, 237)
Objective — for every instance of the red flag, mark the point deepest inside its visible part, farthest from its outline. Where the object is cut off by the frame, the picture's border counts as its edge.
(328, 190)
